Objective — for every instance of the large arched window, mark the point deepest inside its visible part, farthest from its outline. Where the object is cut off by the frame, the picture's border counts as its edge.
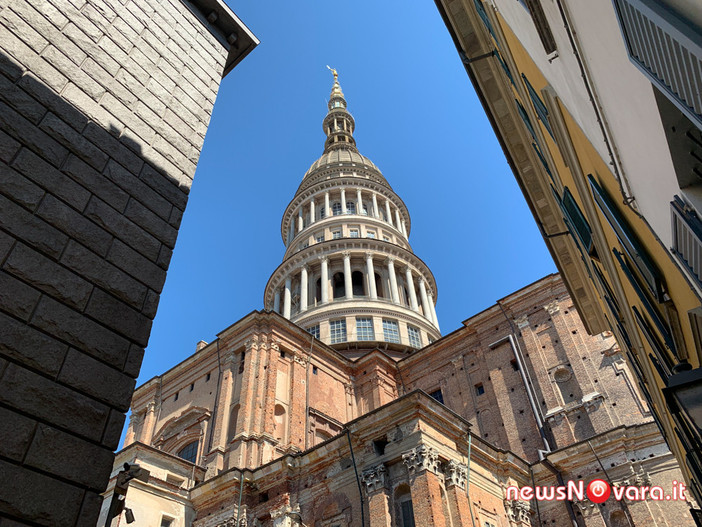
(350, 207)
(357, 283)
(318, 290)
(189, 452)
(338, 284)
(403, 507)
(336, 208)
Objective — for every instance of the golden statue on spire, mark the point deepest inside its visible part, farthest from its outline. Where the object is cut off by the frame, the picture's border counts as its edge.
(336, 75)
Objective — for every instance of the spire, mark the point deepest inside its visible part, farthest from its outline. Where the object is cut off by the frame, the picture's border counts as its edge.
(338, 124)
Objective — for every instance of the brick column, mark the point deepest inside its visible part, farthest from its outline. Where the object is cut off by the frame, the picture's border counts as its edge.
(147, 430)
(298, 404)
(456, 493)
(247, 402)
(423, 466)
(378, 499)
(223, 412)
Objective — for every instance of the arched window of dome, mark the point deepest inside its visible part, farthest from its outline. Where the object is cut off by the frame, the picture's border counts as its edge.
(365, 209)
(318, 290)
(379, 286)
(189, 452)
(338, 285)
(322, 212)
(404, 512)
(358, 284)
(336, 208)
(350, 207)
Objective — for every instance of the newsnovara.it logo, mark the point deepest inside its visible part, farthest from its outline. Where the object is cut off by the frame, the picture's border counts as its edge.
(597, 491)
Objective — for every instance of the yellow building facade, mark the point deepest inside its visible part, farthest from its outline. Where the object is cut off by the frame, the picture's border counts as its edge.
(540, 78)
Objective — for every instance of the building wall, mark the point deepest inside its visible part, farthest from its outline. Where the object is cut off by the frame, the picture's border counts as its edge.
(558, 160)
(104, 108)
(581, 384)
(297, 397)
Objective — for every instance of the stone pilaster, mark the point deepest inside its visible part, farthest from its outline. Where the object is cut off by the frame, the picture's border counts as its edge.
(423, 467)
(378, 500)
(456, 478)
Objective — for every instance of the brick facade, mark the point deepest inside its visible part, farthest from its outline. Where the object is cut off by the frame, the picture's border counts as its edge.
(293, 405)
(104, 107)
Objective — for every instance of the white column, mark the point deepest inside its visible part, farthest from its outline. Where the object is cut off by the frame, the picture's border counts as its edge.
(327, 208)
(348, 285)
(343, 201)
(404, 228)
(433, 310)
(425, 300)
(398, 222)
(375, 206)
(325, 279)
(300, 220)
(388, 213)
(370, 272)
(359, 202)
(393, 281)
(312, 211)
(410, 285)
(276, 301)
(286, 298)
(303, 288)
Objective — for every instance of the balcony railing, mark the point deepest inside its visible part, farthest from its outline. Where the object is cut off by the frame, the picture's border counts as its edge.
(687, 237)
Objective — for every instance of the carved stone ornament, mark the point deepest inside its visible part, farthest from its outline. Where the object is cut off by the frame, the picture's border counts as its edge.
(252, 343)
(301, 360)
(585, 505)
(552, 307)
(231, 522)
(518, 511)
(456, 474)
(374, 478)
(592, 401)
(556, 415)
(638, 478)
(522, 321)
(151, 406)
(421, 458)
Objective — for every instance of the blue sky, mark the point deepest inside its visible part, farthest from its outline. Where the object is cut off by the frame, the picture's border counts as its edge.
(417, 118)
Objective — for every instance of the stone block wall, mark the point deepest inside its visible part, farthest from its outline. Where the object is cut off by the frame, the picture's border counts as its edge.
(104, 106)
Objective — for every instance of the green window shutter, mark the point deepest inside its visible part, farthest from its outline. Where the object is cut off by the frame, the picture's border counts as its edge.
(525, 118)
(661, 326)
(504, 67)
(627, 237)
(539, 105)
(483, 16)
(575, 221)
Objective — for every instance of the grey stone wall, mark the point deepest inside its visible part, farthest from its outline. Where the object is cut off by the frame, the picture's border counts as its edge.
(104, 106)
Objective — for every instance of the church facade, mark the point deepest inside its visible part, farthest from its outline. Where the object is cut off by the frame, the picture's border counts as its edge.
(341, 404)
